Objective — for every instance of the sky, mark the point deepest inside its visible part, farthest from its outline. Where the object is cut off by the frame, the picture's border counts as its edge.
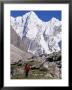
(44, 15)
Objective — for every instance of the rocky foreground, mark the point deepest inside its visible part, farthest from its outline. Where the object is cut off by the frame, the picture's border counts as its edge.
(42, 67)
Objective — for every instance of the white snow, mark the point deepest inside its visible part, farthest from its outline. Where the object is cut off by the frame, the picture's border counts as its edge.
(34, 28)
(44, 45)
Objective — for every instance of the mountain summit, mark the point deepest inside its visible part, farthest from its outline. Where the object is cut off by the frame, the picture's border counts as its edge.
(43, 37)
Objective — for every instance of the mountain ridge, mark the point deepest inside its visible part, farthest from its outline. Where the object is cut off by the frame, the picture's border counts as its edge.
(43, 36)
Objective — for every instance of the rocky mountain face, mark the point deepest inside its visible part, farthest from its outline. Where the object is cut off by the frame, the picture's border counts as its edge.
(17, 41)
(48, 67)
(38, 43)
(36, 36)
(17, 55)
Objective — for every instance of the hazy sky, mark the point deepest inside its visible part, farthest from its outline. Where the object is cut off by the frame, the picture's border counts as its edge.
(44, 15)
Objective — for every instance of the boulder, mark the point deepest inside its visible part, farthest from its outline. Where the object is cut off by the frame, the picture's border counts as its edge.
(44, 66)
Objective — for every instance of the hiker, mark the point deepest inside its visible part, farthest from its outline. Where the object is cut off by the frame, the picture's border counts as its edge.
(27, 69)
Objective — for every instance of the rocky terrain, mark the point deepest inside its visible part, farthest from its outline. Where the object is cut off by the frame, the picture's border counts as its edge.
(42, 67)
(37, 43)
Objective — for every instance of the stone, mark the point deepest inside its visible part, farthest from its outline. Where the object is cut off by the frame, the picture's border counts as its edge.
(44, 66)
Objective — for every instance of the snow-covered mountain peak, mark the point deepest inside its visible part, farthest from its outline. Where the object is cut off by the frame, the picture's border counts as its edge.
(32, 17)
(55, 22)
(32, 13)
(12, 20)
(54, 19)
(43, 36)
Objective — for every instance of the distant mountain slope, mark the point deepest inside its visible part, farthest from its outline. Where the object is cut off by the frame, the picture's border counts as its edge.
(17, 54)
(16, 41)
